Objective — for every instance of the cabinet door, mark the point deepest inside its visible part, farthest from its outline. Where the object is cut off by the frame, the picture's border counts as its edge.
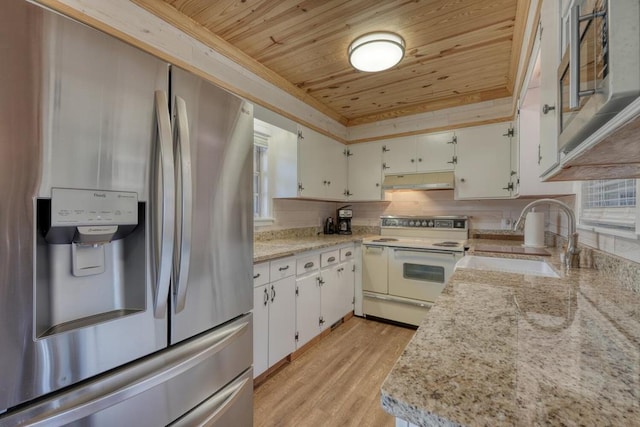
(283, 163)
(335, 170)
(282, 318)
(330, 296)
(484, 159)
(307, 308)
(399, 155)
(549, 61)
(347, 282)
(260, 330)
(312, 163)
(435, 151)
(365, 171)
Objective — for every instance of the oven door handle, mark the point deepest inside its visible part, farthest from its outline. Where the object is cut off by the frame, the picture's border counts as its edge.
(391, 298)
(428, 251)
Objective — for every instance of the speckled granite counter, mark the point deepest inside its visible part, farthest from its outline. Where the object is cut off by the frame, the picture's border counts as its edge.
(279, 248)
(501, 349)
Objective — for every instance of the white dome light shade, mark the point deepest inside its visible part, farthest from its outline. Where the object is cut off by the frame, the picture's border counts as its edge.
(376, 51)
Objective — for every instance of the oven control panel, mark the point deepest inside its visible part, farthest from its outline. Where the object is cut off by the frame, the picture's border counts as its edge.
(450, 223)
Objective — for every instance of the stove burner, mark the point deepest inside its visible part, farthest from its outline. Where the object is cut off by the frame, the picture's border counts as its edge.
(447, 244)
(385, 239)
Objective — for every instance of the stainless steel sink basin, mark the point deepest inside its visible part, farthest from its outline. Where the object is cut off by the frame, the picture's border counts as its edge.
(508, 265)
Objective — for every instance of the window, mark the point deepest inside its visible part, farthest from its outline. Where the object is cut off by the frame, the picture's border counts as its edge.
(260, 177)
(609, 205)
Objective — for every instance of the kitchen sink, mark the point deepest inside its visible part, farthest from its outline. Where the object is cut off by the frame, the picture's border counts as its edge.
(507, 265)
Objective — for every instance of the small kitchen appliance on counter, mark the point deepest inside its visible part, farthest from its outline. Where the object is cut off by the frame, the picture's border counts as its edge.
(407, 266)
(329, 226)
(344, 216)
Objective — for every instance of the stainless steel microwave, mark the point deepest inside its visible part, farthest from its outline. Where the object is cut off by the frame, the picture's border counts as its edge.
(600, 70)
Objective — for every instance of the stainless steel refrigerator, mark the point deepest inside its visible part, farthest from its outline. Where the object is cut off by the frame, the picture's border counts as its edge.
(126, 234)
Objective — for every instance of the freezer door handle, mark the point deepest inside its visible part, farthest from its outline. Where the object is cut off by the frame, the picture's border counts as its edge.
(184, 207)
(212, 409)
(163, 198)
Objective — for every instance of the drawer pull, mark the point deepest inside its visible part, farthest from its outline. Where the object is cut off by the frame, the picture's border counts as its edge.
(255, 276)
(310, 264)
(348, 254)
(331, 259)
(286, 267)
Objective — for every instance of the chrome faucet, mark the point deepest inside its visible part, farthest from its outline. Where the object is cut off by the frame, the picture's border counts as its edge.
(571, 254)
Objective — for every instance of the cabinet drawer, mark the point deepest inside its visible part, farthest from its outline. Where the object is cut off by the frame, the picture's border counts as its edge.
(347, 253)
(329, 258)
(260, 274)
(307, 263)
(282, 268)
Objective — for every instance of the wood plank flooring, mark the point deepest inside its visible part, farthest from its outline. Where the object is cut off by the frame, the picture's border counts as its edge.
(335, 383)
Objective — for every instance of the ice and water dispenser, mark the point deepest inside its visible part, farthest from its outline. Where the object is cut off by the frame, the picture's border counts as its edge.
(90, 258)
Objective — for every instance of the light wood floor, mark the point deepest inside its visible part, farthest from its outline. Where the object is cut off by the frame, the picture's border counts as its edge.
(336, 382)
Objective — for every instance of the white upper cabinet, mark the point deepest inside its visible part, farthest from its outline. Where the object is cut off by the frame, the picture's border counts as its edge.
(530, 183)
(549, 33)
(435, 152)
(399, 155)
(282, 165)
(483, 168)
(364, 167)
(322, 166)
(432, 152)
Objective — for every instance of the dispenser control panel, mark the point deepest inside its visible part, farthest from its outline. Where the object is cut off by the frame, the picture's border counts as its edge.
(71, 207)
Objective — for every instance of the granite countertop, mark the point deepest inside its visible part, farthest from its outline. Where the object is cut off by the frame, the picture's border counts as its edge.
(503, 349)
(280, 248)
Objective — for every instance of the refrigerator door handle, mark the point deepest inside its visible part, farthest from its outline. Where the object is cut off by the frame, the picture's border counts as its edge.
(163, 188)
(210, 411)
(184, 209)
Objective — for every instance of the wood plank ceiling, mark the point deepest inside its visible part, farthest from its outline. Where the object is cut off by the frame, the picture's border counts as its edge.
(457, 51)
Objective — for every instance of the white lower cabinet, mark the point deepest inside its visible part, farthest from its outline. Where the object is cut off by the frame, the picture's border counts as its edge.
(324, 291)
(274, 313)
(294, 299)
(330, 304)
(307, 308)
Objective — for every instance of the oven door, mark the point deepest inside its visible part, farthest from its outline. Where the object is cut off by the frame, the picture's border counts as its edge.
(420, 273)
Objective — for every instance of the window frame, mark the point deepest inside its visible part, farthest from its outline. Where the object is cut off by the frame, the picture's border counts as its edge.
(261, 196)
(586, 223)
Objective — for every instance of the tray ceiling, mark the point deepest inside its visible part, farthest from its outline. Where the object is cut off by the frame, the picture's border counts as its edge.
(457, 51)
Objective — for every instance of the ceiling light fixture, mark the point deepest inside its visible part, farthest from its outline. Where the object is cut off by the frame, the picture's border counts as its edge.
(376, 51)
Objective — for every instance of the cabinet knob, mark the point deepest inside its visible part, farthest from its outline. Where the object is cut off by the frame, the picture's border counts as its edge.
(377, 184)
(546, 108)
(413, 160)
(462, 180)
(419, 160)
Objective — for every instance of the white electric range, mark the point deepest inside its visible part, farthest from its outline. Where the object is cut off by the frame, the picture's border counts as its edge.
(407, 266)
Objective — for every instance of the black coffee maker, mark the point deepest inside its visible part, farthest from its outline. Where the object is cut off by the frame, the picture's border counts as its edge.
(344, 216)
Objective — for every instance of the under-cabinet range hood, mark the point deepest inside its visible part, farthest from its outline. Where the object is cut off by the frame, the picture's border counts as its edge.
(419, 181)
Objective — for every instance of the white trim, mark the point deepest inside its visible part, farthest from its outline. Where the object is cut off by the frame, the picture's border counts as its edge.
(258, 222)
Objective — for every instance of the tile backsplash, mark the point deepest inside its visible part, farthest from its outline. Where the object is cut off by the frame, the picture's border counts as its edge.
(484, 214)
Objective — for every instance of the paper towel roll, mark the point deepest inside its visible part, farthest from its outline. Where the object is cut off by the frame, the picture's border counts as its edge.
(534, 230)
